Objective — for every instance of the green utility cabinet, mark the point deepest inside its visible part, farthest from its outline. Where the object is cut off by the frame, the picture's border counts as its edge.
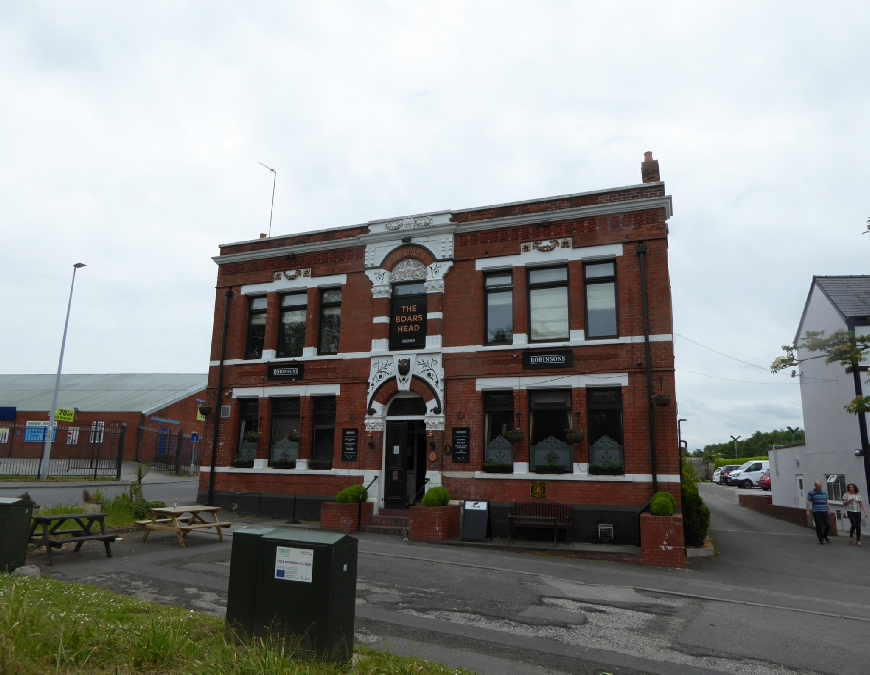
(299, 583)
(15, 517)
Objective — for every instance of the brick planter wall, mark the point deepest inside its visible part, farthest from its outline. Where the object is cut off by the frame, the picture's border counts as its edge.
(337, 517)
(433, 523)
(661, 540)
(764, 504)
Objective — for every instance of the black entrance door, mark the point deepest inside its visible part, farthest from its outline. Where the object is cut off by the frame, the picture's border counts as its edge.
(405, 463)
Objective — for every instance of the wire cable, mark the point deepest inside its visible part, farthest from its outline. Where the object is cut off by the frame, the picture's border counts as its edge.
(733, 358)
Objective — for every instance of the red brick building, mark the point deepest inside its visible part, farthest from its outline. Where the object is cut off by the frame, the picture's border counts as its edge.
(458, 348)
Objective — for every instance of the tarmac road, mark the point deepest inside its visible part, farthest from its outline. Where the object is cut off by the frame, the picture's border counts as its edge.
(774, 602)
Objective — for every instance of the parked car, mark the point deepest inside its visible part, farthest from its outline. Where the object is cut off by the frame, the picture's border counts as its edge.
(721, 473)
(764, 481)
(748, 475)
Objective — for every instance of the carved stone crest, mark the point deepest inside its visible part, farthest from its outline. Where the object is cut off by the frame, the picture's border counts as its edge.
(404, 366)
(411, 223)
(546, 246)
(291, 275)
(409, 269)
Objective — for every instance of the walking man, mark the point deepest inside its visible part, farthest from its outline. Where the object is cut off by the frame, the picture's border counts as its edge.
(817, 500)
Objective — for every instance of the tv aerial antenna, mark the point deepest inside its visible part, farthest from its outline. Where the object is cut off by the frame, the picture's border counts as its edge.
(272, 209)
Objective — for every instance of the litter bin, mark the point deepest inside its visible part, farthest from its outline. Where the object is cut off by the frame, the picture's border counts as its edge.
(15, 516)
(302, 586)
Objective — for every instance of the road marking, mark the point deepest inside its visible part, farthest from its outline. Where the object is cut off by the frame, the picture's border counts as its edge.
(637, 588)
(779, 534)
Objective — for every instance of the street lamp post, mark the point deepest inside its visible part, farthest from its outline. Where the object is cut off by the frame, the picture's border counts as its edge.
(46, 453)
(735, 438)
(793, 432)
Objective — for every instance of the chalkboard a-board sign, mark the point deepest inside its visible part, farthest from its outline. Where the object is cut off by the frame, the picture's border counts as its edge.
(475, 520)
(349, 440)
(461, 445)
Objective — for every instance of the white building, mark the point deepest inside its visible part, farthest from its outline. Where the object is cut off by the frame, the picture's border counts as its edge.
(832, 434)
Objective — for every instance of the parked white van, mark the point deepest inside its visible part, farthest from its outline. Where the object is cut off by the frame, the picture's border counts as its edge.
(748, 475)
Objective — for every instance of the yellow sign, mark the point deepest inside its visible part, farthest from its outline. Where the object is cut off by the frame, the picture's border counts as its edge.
(61, 415)
(539, 489)
(199, 416)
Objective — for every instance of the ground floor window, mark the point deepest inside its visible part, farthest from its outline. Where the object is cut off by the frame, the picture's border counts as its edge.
(285, 433)
(323, 433)
(249, 430)
(606, 452)
(498, 456)
(549, 417)
(836, 484)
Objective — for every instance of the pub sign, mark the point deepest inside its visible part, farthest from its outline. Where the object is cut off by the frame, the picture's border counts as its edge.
(461, 445)
(349, 444)
(534, 359)
(408, 322)
(286, 371)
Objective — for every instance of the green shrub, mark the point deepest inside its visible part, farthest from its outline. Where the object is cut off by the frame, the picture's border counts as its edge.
(696, 517)
(142, 510)
(352, 495)
(437, 496)
(663, 504)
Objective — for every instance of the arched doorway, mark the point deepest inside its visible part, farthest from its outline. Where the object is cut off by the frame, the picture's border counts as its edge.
(404, 452)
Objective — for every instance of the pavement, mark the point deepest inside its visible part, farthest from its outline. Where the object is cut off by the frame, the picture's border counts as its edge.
(773, 602)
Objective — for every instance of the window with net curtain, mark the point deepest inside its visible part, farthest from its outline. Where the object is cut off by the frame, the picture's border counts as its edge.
(499, 308)
(256, 328)
(601, 316)
(548, 304)
(285, 418)
(330, 320)
(291, 328)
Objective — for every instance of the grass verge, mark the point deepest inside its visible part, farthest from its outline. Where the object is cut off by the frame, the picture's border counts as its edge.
(49, 626)
(120, 511)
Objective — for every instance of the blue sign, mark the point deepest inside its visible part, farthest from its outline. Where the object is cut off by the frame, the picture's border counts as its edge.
(36, 434)
(194, 437)
(7, 414)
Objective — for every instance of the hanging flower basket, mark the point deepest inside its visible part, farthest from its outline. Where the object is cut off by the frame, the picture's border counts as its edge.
(252, 436)
(205, 410)
(293, 436)
(662, 400)
(574, 436)
(513, 436)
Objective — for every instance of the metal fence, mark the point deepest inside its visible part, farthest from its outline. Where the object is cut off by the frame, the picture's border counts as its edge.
(164, 450)
(76, 450)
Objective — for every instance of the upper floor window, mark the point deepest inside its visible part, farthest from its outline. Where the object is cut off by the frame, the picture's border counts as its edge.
(499, 308)
(330, 320)
(291, 329)
(548, 304)
(256, 328)
(601, 300)
(408, 316)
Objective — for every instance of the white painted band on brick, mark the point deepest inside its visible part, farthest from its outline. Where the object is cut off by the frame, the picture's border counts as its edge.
(297, 283)
(380, 319)
(465, 349)
(435, 315)
(559, 255)
(288, 390)
(552, 381)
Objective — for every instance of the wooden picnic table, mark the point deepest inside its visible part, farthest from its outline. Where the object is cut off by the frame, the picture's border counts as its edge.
(45, 531)
(183, 520)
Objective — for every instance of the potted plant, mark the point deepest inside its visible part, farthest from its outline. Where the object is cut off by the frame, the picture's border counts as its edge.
(252, 436)
(435, 520)
(284, 462)
(514, 435)
(552, 466)
(498, 467)
(574, 436)
(320, 464)
(293, 436)
(205, 410)
(244, 460)
(93, 502)
(661, 399)
(607, 468)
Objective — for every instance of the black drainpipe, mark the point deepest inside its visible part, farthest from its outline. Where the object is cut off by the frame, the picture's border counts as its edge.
(862, 421)
(641, 251)
(217, 408)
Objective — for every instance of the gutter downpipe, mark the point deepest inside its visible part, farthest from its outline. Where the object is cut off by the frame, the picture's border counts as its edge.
(220, 386)
(641, 252)
(862, 421)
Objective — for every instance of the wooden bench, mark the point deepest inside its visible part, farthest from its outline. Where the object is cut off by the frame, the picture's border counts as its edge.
(162, 521)
(46, 531)
(547, 515)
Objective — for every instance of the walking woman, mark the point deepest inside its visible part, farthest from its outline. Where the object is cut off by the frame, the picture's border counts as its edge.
(854, 504)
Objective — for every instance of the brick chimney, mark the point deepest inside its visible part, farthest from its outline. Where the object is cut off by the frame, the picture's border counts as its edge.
(649, 169)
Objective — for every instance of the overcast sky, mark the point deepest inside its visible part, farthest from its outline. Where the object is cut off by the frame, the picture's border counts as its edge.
(130, 136)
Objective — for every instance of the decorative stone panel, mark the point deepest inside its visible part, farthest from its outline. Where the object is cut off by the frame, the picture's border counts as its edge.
(291, 275)
(546, 245)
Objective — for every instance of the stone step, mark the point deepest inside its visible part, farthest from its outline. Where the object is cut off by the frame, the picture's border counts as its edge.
(392, 521)
(393, 512)
(384, 529)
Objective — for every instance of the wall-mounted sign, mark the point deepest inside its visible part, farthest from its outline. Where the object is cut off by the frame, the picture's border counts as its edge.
(294, 564)
(539, 489)
(461, 445)
(7, 414)
(4, 435)
(62, 415)
(408, 322)
(286, 371)
(541, 359)
(349, 444)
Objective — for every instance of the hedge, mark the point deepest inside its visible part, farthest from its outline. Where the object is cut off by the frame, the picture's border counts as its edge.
(351, 495)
